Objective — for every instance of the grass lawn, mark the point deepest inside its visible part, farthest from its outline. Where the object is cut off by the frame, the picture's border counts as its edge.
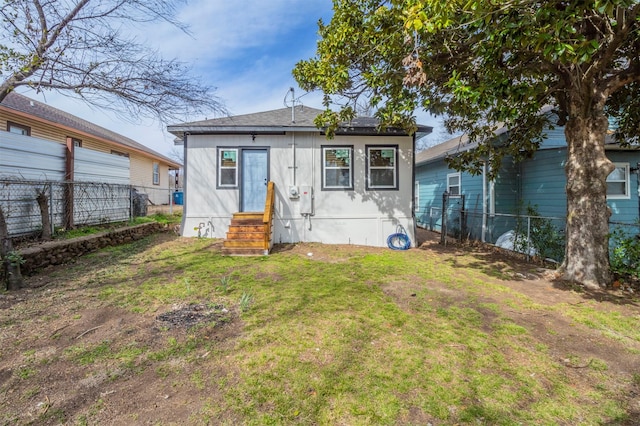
(314, 334)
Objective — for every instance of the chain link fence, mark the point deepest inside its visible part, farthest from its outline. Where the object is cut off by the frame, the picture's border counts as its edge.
(71, 204)
(530, 234)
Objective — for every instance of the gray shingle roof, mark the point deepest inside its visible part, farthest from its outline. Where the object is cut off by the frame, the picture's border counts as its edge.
(18, 102)
(282, 117)
(452, 146)
(278, 120)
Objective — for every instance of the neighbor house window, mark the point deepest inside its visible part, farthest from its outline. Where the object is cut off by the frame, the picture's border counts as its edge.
(337, 167)
(382, 167)
(453, 184)
(227, 167)
(76, 142)
(416, 197)
(156, 174)
(18, 129)
(121, 154)
(618, 182)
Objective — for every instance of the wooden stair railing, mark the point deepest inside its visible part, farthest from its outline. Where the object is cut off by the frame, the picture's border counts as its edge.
(267, 218)
(250, 233)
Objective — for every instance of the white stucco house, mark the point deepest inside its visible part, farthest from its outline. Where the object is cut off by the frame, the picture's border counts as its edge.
(356, 188)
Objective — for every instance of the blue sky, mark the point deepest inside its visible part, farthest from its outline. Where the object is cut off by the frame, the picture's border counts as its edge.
(246, 49)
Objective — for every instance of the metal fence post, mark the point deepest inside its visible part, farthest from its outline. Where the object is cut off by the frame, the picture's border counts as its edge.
(528, 236)
(51, 212)
(443, 233)
(463, 220)
(130, 202)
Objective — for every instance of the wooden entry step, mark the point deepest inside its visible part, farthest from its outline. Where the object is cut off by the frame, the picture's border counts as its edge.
(246, 235)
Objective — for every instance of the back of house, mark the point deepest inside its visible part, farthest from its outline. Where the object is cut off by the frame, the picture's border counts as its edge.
(356, 188)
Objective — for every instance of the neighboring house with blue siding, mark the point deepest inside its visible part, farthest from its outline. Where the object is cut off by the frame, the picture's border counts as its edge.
(540, 182)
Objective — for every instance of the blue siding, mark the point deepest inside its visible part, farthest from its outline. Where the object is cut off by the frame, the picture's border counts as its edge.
(433, 182)
(539, 181)
(472, 190)
(507, 188)
(553, 138)
(543, 182)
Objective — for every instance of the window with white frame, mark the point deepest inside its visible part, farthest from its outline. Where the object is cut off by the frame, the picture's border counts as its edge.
(453, 184)
(337, 167)
(382, 167)
(416, 197)
(156, 174)
(227, 167)
(618, 182)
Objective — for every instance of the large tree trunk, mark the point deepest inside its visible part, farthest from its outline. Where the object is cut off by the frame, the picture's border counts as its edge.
(587, 251)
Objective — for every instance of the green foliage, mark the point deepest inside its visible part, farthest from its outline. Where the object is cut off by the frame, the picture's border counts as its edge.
(545, 238)
(88, 355)
(624, 253)
(165, 219)
(245, 301)
(78, 232)
(26, 372)
(15, 258)
(225, 284)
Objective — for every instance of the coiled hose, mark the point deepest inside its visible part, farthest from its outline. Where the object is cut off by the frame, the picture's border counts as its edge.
(400, 240)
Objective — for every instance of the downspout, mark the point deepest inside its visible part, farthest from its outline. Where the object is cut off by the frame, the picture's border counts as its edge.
(184, 182)
(638, 189)
(293, 153)
(413, 187)
(492, 198)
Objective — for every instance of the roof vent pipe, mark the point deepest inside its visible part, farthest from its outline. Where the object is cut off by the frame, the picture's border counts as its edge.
(293, 104)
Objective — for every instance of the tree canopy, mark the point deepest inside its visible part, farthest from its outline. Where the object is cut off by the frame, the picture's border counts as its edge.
(485, 64)
(86, 48)
(488, 64)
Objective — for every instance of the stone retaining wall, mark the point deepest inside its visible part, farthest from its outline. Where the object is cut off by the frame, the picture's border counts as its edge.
(59, 252)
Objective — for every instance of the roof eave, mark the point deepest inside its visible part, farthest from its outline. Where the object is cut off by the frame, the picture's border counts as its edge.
(226, 130)
(179, 130)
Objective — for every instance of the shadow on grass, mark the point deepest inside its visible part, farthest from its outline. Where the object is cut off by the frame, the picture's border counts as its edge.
(614, 296)
(509, 266)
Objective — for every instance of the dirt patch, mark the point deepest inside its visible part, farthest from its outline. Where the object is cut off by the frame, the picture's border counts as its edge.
(194, 314)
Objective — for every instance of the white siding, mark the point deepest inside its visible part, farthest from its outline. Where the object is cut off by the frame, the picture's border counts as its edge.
(356, 216)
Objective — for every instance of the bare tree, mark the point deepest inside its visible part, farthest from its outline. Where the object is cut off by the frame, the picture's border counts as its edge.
(79, 47)
(177, 153)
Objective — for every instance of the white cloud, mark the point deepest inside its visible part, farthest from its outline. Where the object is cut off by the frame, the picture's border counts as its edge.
(224, 30)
